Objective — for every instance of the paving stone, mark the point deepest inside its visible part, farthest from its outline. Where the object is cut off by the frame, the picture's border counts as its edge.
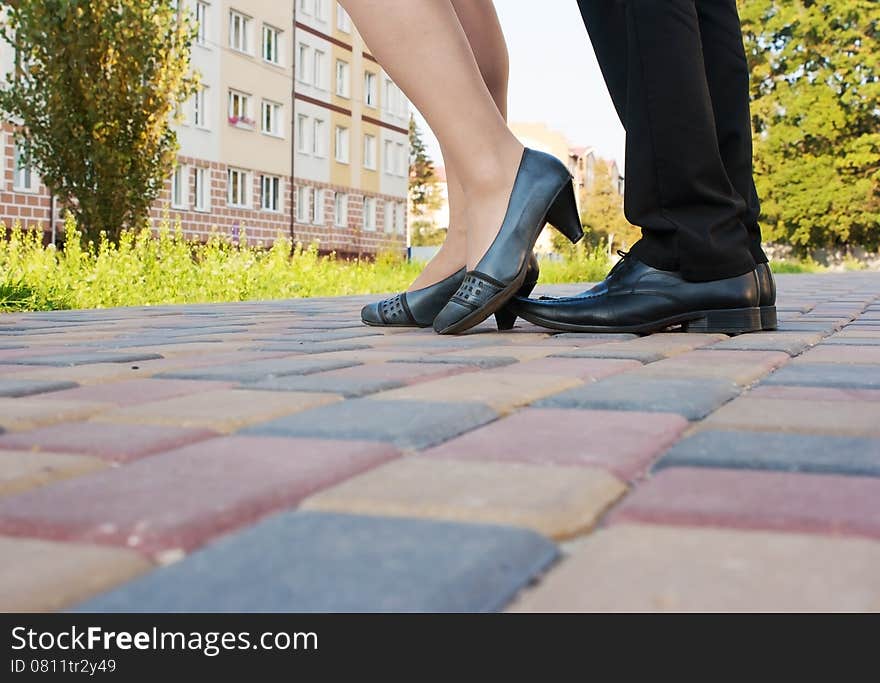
(809, 503)
(223, 411)
(21, 470)
(136, 391)
(112, 442)
(483, 362)
(13, 387)
(625, 443)
(633, 568)
(555, 501)
(181, 499)
(857, 355)
(62, 360)
(792, 343)
(520, 352)
(317, 562)
(587, 369)
(810, 417)
(691, 398)
(407, 424)
(740, 373)
(254, 371)
(815, 393)
(363, 380)
(503, 392)
(773, 451)
(827, 375)
(40, 576)
(18, 414)
(837, 340)
(308, 348)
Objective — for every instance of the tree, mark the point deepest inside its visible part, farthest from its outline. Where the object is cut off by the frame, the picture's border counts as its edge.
(602, 211)
(816, 114)
(96, 86)
(424, 190)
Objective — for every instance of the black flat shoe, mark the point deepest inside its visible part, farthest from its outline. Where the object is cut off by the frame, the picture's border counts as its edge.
(639, 299)
(419, 308)
(542, 193)
(767, 297)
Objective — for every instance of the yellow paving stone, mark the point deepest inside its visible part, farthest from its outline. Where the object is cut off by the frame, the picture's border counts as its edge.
(18, 414)
(501, 391)
(43, 576)
(225, 410)
(742, 374)
(850, 418)
(645, 568)
(23, 470)
(555, 501)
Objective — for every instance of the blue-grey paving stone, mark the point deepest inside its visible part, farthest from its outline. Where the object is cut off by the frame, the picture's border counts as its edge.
(334, 335)
(350, 387)
(610, 337)
(642, 355)
(322, 562)
(144, 342)
(854, 456)
(14, 388)
(827, 375)
(308, 347)
(9, 347)
(482, 362)
(693, 399)
(254, 371)
(73, 359)
(793, 343)
(406, 424)
(851, 341)
(809, 326)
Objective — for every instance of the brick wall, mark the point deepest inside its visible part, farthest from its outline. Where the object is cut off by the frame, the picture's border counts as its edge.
(30, 208)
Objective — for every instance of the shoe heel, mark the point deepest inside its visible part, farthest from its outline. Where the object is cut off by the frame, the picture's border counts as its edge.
(732, 321)
(506, 318)
(564, 216)
(769, 320)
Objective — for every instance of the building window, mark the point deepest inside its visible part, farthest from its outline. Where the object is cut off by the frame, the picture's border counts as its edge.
(340, 210)
(271, 118)
(343, 21)
(400, 219)
(239, 28)
(343, 87)
(388, 157)
(202, 21)
(389, 216)
(271, 49)
(369, 213)
(25, 179)
(318, 70)
(239, 109)
(270, 193)
(370, 152)
(306, 6)
(321, 10)
(200, 112)
(342, 154)
(203, 189)
(302, 123)
(302, 63)
(302, 203)
(238, 183)
(178, 188)
(371, 94)
(318, 208)
(401, 161)
(319, 144)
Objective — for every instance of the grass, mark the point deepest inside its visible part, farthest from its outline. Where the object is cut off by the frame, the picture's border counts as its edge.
(149, 270)
(796, 266)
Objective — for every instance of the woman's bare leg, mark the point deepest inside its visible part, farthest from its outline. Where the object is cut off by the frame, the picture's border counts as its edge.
(421, 44)
(480, 23)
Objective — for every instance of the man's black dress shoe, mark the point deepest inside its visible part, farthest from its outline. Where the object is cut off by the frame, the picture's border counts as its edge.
(640, 299)
(542, 193)
(419, 308)
(767, 296)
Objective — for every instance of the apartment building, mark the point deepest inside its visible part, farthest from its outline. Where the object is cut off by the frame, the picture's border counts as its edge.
(295, 130)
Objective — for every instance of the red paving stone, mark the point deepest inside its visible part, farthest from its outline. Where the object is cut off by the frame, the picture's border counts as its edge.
(181, 499)
(626, 443)
(113, 442)
(136, 391)
(408, 373)
(782, 501)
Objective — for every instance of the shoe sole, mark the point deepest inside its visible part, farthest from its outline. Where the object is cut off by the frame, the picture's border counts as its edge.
(769, 320)
(732, 321)
(415, 327)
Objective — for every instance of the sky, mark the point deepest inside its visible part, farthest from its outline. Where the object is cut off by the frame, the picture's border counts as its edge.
(554, 77)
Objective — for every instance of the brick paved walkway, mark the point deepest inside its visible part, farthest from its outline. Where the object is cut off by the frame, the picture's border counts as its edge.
(280, 456)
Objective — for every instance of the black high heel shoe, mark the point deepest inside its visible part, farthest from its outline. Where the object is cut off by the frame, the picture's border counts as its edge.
(542, 193)
(419, 308)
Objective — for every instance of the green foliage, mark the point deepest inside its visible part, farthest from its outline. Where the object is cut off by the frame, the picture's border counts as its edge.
(426, 234)
(580, 263)
(816, 111)
(96, 88)
(796, 266)
(142, 270)
(424, 190)
(602, 211)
